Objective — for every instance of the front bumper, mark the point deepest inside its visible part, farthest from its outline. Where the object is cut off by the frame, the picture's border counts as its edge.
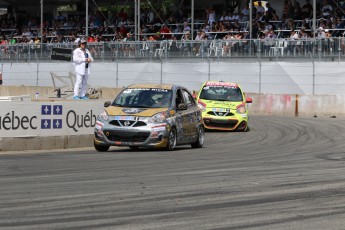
(236, 122)
(153, 135)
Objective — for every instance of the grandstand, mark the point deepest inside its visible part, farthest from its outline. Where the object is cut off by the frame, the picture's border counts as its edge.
(169, 34)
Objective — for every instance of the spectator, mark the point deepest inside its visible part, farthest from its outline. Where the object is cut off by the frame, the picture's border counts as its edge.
(186, 45)
(186, 27)
(211, 16)
(82, 60)
(228, 43)
(307, 9)
(326, 9)
(236, 16)
(201, 36)
(245, 13)
(260, 8)
(338, 28)
(269, 7)
(166, 32)
(275, 17)
(292, 41)
(288, 8)
(269, 40)
(150, 17)
(321, 33)
(297, 12)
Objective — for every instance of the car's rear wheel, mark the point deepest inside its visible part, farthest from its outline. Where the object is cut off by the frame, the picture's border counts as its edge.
(201, 137)
(171, 139)
(101, 148)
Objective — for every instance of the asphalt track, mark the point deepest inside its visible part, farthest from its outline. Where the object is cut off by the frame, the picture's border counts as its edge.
(286, 173)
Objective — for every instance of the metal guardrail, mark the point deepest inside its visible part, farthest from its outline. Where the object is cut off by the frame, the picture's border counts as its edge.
(233, 48)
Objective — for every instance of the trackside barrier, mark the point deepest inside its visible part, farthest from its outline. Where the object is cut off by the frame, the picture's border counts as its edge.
(36, 125)
(42, 125)
(300, 77)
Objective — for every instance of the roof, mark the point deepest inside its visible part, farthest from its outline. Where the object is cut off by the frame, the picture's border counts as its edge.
(221, 83)
(157, 86)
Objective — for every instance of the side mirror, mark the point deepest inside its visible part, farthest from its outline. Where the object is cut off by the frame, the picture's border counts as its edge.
(249, 100)
(107, 104)
(181, 106)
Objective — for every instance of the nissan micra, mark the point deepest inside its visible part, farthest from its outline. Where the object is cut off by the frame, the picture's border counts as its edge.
(223, 106)
(149, 115)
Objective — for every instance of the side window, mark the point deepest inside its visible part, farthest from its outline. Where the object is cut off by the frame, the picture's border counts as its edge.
(188, 98)
(179, 97)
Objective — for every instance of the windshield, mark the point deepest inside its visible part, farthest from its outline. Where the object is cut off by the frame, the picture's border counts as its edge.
(221, 93)
(144, 98)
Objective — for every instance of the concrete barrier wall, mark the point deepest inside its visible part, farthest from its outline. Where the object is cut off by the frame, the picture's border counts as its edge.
(45, 92)
(49, 124)
(255, 77)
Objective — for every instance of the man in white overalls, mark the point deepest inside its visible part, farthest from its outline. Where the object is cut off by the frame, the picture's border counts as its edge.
(82, 62)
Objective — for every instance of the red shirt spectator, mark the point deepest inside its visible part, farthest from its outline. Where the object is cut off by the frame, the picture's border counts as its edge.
(123, 15)
(123, 31)
(91, 39)
(165, 31)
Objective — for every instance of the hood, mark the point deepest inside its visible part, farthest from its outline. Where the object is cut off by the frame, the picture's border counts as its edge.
(221, 104)
(140, 112)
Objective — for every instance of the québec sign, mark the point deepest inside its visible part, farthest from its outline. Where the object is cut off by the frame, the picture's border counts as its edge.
(47, 119)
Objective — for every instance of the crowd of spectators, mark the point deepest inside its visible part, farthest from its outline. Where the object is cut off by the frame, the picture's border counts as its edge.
(296, 18)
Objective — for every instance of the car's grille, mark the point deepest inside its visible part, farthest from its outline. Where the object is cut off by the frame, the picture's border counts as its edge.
(222, 114)
(220, 123)
(126, 136)
(127, 123)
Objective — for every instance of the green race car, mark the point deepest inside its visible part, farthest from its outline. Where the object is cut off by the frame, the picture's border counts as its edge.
(223, 106)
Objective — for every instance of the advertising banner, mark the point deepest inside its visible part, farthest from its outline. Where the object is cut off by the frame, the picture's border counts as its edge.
(61, 54)
(23, 119)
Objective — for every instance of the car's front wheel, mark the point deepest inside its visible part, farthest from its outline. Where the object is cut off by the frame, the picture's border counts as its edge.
(171, 139)
(101, 148)
(201, 137)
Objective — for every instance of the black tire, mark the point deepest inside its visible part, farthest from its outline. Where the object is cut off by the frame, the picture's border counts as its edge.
(171, 139)
(101, 148)
(201, 137)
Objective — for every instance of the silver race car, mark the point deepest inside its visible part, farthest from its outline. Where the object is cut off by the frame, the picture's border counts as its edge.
(149, 115)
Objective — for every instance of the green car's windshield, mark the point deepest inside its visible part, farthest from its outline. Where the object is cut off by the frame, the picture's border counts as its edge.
(221, 93)
(144, 98)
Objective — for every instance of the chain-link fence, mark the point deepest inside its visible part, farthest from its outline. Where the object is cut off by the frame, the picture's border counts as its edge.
(330, 48)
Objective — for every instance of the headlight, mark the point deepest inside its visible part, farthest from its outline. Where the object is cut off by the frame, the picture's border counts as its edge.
(158, 118)
(241, 109)
(104, 115)
(202, 106)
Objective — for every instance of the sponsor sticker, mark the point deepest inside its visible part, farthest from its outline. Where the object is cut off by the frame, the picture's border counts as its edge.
(126, 118)
(222, 110)
(159, 128)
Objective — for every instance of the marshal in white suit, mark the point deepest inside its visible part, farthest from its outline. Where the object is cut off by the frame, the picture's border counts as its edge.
(82, 66)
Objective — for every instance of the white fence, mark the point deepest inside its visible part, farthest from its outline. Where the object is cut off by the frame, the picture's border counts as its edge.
(254, 77)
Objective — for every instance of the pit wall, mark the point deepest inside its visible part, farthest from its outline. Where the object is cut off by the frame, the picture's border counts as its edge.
(44, 124)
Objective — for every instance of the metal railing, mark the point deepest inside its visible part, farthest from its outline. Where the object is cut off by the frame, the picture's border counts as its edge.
(263, 48)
